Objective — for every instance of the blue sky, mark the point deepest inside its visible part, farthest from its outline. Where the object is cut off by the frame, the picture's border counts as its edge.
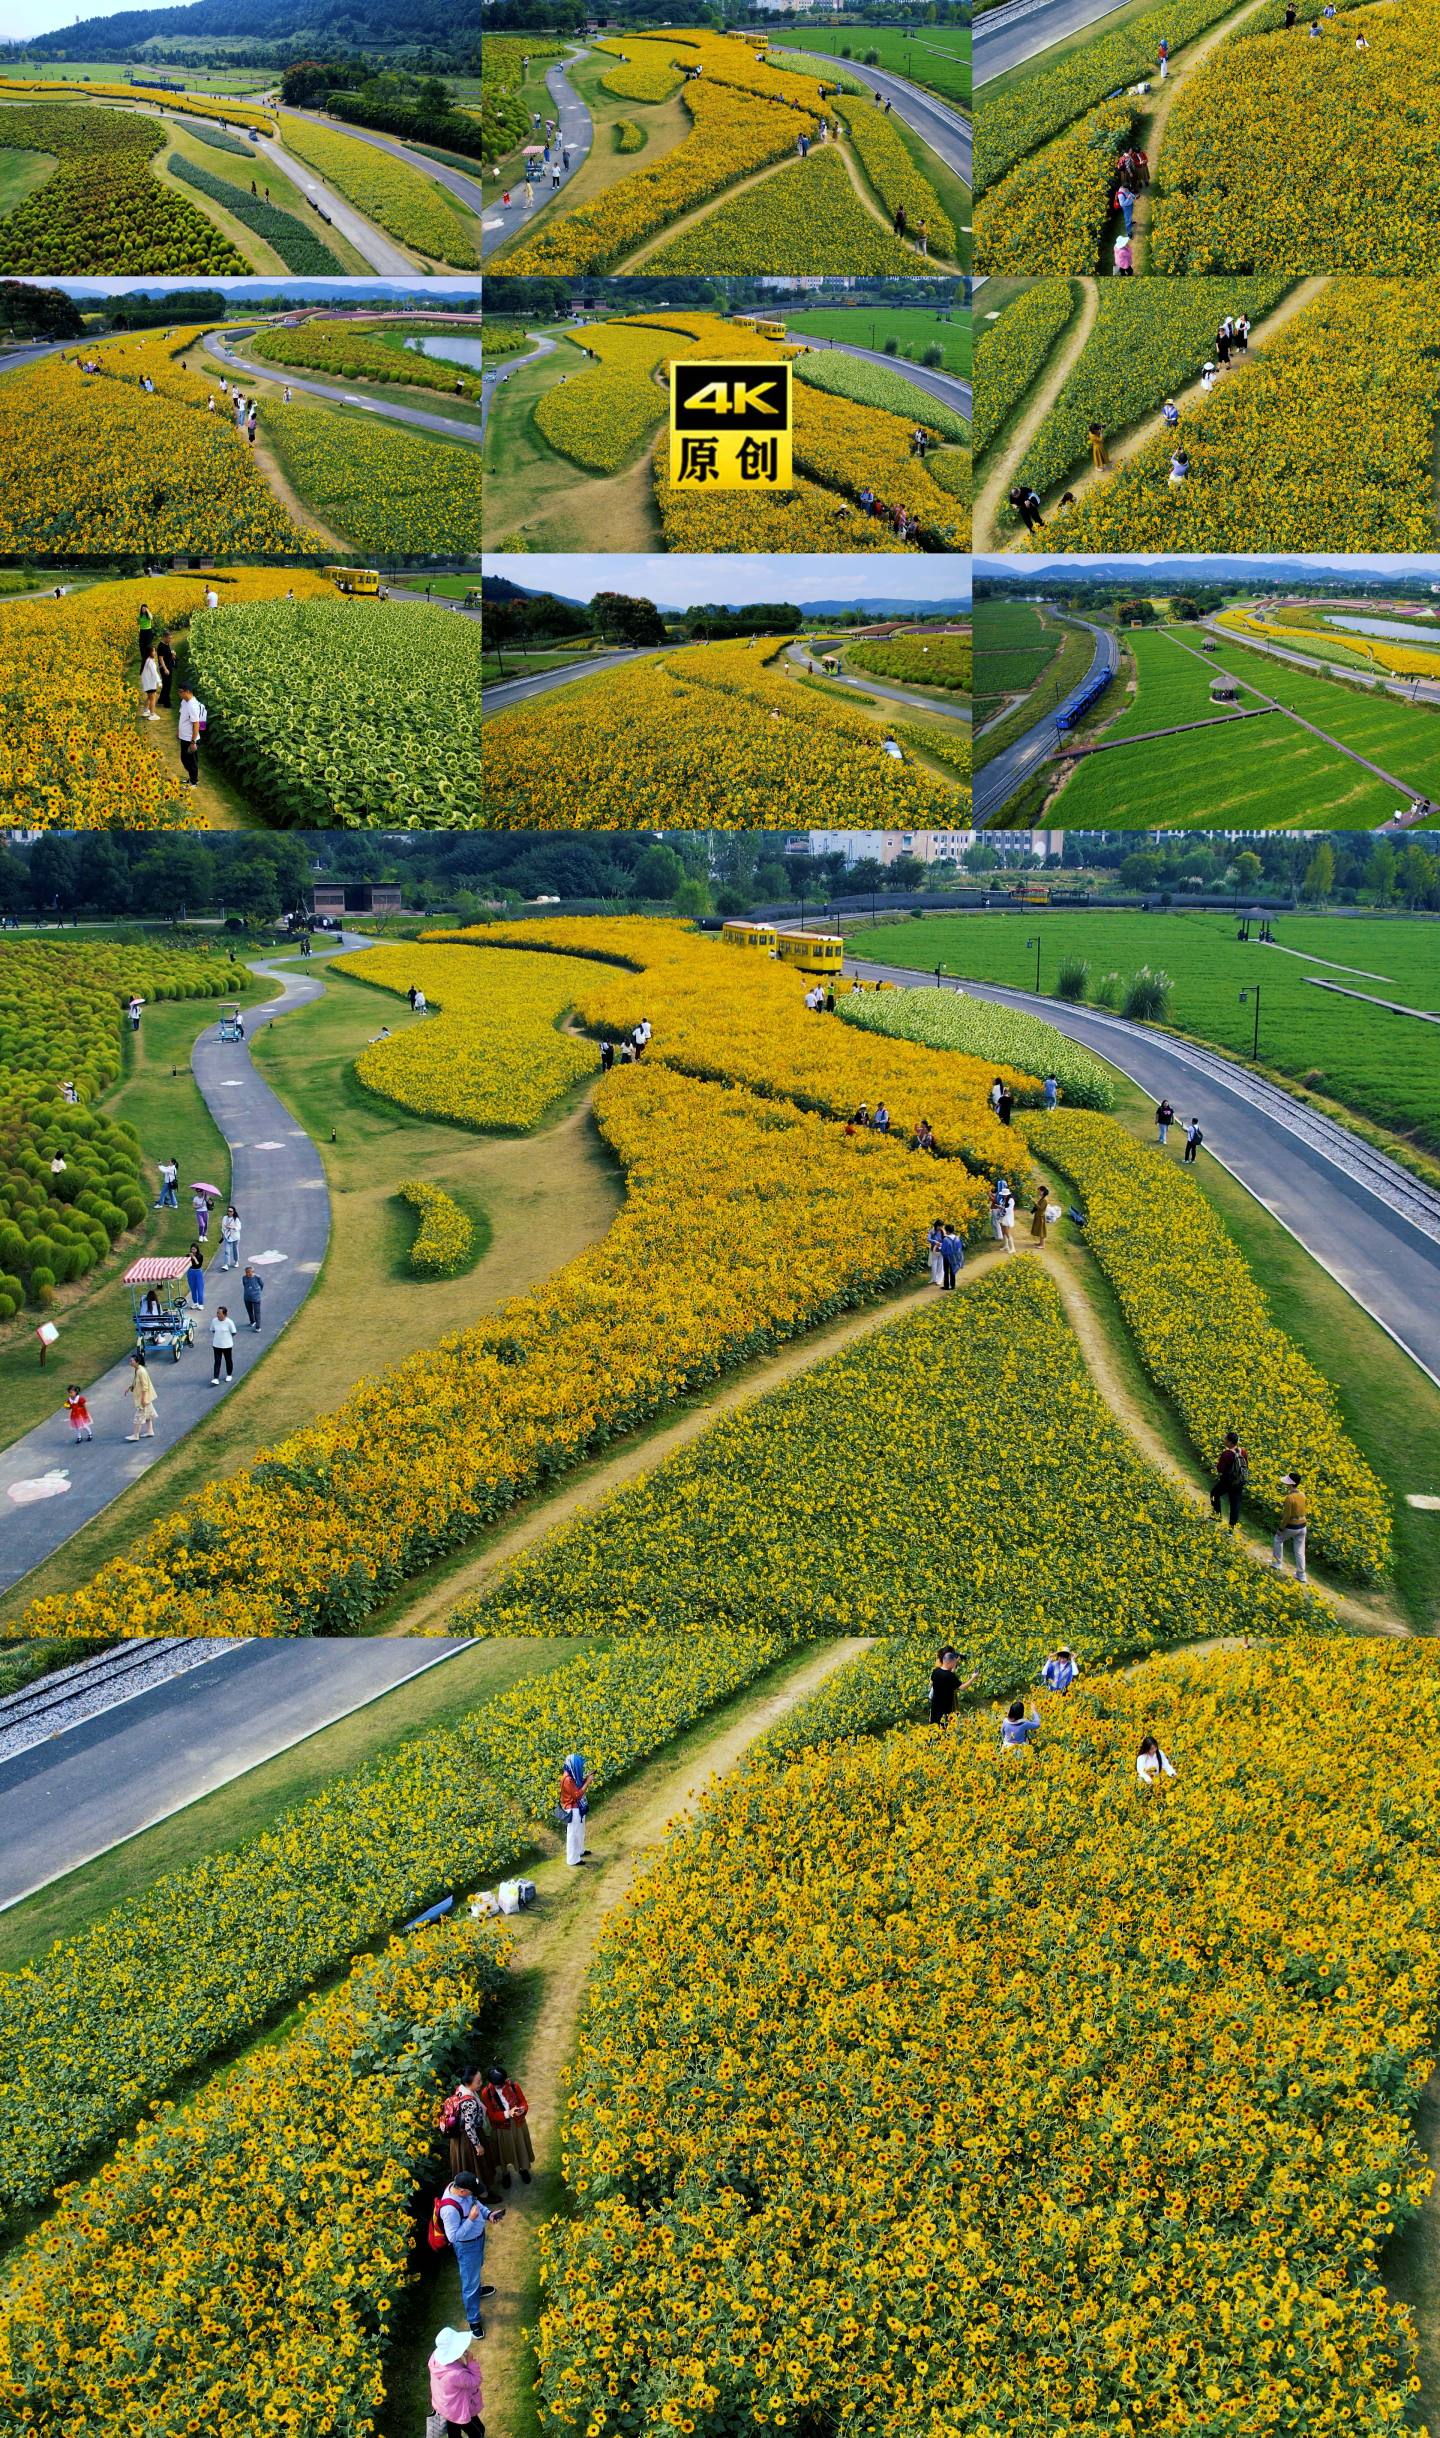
(1428, 568)
(677, 583)
(24, 18)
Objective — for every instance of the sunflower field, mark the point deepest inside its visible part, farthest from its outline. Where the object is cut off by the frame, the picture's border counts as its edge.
(493, 1056)
(133, 2004)
(222, 107)
(1204, 1333)
(361, 351)
(893, 175)
(103, 210)
(745, 1223)
(94, 465)
(866, 1498)
(1136, 2068)
(444, 1241)
(641, 80)
(952, 1020)
(408, 206)
(341, 714)
(1011, 353)
(804, 220)
(706, 735)
(73, 752)
(867, 384)
(1264, 465)
(384, 489)
(1050, 212)
(919, 659)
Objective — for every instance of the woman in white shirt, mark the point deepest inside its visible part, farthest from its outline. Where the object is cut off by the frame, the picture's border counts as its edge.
(150, 688)
(1151, 1766)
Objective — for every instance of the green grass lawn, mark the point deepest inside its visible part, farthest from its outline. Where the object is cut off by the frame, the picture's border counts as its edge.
(937, 57)
(1064, 669)
(544, 1197)
(1403, 738)
(250, 1804)
(93, 1316)
(916, 327)
(1015, 644)
(20, 174)
(1173, 685)
(550, 503)
(1250, 774)
(1383, 1066)
(263, 173)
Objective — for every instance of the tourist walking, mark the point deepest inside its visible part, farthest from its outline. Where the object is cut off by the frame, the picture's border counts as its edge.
(222, 1341)
(1052, 1091)
(1007, 1217)
(952, 1253)
(143, 1398)
(252, 1287)
(195, 1278)
(997, 1200)
(1040, 1217)
(165, 662)
(149, 687)
(1060, 1670)
(455, 2387)
(1164, 1120)
(200, 1205)
(1232, 1475)
(1151, 1764)
(230, 1239)
(937, 1253)
(1005, 1105)
(1026, 504)
(1125, 206)
(465, 2128)
(507, 2112)
(190, 729)
(78, 1414)
(1292, 1527)
(1124, 257)
(1193, 1140)
(574, 1806)
(466, 2221)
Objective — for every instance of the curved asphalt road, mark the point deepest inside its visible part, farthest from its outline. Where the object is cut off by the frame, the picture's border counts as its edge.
(1004, 37)
(388, 409)
(500, 695)
(997, 782)
(946, 131)
(912, 700)
(576, 130)
(461, 185)
(1380, 1240)
(491, 381)
(946, 386)
(278, 1186)
(370, 243)
(66, 1801)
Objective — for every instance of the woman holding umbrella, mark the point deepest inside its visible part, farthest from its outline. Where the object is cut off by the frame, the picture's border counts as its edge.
(202, 1196)
(575, 1784)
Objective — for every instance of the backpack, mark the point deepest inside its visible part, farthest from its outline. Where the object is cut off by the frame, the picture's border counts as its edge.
(435, 2234)
(450, 2113)
(1242, 1468)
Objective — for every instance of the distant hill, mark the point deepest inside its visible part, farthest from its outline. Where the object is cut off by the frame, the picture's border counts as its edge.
(300, 25)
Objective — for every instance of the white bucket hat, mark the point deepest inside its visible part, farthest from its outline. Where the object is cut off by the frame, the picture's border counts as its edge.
(452, 2344)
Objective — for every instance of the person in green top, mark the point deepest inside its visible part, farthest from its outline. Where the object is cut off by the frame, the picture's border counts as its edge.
(147, 630)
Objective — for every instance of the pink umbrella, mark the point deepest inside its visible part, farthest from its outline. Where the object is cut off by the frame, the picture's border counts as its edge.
(199, 1186)
(529, 148)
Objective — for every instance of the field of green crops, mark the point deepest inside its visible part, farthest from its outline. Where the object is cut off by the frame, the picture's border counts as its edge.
(1244, 774)
(913, 327)
(1174, 685)
(1382, 1065)
(338, 714)
(381, 488)
(937, 57)
(877, 385)
(1013, 649)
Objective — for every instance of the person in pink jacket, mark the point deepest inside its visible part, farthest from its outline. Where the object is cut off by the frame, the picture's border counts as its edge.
(455, 2395)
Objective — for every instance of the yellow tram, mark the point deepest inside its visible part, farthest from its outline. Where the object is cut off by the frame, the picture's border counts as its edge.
(751, 935)
(812, 952)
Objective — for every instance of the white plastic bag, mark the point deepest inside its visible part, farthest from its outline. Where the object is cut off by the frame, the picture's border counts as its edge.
(509, 1895)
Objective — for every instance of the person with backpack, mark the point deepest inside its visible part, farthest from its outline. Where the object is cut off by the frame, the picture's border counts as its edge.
(1292, 1526)
(574, 1806)
(507, 2111)
(1193, 1140)
(464, 2127)
(1164, 1120)
(460, 2221)
(952, 1253)
(455, 2391)
(1232, 1477)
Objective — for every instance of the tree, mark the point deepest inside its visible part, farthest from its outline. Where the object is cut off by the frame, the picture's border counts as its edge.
(1319, 879)
(54, 871)
(1246, 873)
(658, 873)
(39, 313)
(1380, 872)
(692, 898)
(1419, 875)
(1186, 606)
(626, 618)
(252, 890)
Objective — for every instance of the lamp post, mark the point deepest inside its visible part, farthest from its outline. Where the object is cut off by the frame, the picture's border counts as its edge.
(1253, 992)
(1035, 944)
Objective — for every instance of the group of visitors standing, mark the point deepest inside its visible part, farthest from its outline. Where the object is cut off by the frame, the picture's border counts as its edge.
(1021, 1722)
(484, 2123)
(157, 679)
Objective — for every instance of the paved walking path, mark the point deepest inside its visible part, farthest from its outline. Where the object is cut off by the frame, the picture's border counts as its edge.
(577, 130)
(49, 1488)
(1371, 1225)
(911, 697)
(502, 692)
(946, 131)
(448, 426)
(461, 184)
(370, 243)
(504, 365)
(73, 1798)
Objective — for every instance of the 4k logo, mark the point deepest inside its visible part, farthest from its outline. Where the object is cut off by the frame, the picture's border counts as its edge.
(730, 426)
